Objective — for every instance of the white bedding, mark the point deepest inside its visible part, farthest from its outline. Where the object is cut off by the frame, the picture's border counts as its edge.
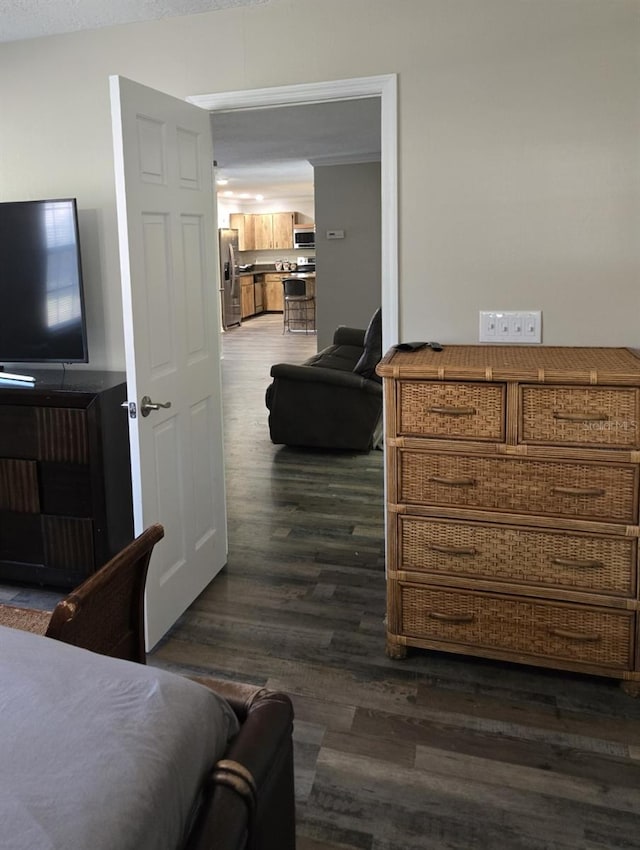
(97, 753)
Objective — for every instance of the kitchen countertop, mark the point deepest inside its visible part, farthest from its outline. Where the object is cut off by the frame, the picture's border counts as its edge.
(295, 273)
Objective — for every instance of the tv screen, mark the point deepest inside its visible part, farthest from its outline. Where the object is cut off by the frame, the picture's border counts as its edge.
(41, 293)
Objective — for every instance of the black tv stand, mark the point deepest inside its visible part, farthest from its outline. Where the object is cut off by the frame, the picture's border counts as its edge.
(12, 376)
(65, 482)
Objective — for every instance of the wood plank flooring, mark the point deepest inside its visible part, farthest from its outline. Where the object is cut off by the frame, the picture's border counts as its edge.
(435, 751)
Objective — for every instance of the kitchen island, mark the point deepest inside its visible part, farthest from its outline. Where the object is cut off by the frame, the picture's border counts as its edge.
(261, 289)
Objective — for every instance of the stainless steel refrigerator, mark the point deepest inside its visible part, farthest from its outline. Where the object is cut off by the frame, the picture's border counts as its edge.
(229, 279)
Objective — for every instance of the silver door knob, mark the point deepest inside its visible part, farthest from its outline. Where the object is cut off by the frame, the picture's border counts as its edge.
(146, 405)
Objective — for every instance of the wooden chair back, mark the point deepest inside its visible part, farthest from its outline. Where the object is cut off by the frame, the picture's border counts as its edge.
(105, 613)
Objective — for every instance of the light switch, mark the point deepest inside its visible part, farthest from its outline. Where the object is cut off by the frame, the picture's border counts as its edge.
(519, 326)
(335, 234)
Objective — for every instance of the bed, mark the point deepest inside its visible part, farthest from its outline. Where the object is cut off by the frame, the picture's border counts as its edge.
(98, 753)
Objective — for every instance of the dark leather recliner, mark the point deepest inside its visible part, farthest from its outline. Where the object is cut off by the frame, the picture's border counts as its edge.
(334, 399)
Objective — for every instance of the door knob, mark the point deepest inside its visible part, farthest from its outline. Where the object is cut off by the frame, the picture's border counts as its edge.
(146, 405)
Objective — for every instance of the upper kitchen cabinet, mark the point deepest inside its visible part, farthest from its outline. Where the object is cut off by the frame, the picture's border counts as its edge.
(274, 231)
(246, 227)
(283, 230)
(264, 231)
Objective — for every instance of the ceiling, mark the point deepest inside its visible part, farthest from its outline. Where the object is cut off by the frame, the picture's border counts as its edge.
(268, 151)
(272, 151)
(20, 19)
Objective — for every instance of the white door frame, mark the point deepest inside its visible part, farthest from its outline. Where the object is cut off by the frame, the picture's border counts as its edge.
(385, 87)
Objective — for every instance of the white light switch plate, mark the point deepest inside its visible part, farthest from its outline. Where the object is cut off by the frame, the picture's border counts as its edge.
(519, 326)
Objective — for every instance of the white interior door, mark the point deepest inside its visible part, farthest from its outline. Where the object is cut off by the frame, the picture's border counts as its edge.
(169, 270)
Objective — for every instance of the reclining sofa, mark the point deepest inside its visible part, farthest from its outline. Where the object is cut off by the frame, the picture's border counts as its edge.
(334, 399)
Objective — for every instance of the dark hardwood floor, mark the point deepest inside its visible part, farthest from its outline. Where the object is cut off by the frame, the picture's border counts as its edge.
(436, 751)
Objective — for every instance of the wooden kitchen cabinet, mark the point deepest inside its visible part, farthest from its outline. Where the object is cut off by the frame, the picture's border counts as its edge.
(283, 230)
(247, 297)
(513, 480)
(245, 225)
(273, 297)
(274, 231)
(263, 231)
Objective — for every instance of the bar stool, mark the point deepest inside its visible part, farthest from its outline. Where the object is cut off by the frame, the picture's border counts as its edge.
(299, 307)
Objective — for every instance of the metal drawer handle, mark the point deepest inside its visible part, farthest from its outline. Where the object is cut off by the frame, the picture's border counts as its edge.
(453, 550)
(580, 417)
(567, 633)
(578, 564)
(451, 618)
(453, 482)
(452, 411)
(578, 491)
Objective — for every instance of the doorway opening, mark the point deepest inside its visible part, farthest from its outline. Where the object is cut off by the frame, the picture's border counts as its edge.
(384, 87)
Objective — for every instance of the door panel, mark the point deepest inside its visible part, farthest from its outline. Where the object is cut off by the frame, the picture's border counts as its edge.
(170, 283)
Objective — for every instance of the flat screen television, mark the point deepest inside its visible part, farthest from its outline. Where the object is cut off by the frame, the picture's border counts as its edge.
(42, 317)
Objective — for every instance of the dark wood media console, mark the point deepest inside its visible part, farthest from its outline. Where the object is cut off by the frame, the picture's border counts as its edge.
(65, 485)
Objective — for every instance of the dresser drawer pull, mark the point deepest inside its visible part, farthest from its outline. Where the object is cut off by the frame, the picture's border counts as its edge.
(452, 550)
(453, 482)
(580, 417)
(452, 411)
(577, 564)
(569, 635)
(451, 618)
(578, 491)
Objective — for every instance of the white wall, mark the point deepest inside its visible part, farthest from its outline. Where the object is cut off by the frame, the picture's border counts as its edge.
(348, 274)
(518, 143)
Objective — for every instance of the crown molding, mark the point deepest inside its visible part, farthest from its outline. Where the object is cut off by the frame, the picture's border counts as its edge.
(346, 159)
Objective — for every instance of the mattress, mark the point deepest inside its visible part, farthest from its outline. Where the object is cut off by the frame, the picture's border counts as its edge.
(98, 753)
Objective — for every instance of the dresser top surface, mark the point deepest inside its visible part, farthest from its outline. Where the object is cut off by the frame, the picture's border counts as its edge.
(535, 364)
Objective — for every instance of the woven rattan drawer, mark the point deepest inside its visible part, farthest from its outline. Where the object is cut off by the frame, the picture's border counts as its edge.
(599, 491)
(563, 632)
(455, 410)
(588, 563)
(580, 416)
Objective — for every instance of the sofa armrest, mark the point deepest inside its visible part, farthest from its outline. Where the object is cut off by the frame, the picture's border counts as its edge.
(344, 335)
(320, 375)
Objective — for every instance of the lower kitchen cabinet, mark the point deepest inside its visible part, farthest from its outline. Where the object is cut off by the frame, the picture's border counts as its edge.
(247, 296)
(273, 296)
(65, 483)
(251, 298)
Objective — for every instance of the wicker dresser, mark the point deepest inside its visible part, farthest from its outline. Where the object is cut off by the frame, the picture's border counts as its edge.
(513, 487)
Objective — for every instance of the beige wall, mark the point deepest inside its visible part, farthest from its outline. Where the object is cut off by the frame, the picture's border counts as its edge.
(518, 143)
(348, 278)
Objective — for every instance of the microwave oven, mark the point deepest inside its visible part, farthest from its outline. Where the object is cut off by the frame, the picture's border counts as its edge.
(304, 237)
